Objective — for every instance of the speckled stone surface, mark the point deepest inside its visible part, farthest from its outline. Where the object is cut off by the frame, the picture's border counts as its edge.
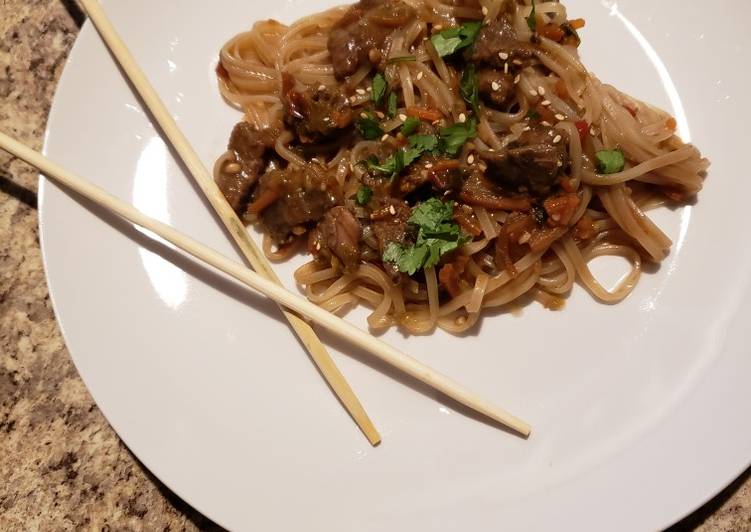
(61, 465)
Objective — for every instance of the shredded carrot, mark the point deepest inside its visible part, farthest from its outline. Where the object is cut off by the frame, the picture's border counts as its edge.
(431, 115)
(577, 23)
(266, 198)
(221, 71)
(568, 184)
(446, 164)
(467, 224)
(585, 228)
(671, 124)
(552, 32)
(560, 89)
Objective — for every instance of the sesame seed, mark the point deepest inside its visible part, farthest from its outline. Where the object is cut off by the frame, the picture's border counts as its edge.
(274, 248)
(360, 91)
(318, 246)
(560, 117)
(429, 165)
(363, 115)
(533, 92)
(524, 238)
(495, 85)
(462, 117)
(419, 75)
(470, 159)
(484, 10)
(556, 217)
(438, 27)
(392, 210)
(592, 131)
(541, 90)
(352, 99)
(559, 164)
(550, 133)
(503, 55)
(505, 68)
(369, 89)
(527, 128)
(322, 87)
(447, 193)
(380, 115)
(385, 137)
(483, 166)
(546, 124)
(545, 103)
(402, 117)
(517, 79)
(232, 168)
(517, 62)
(557, 139)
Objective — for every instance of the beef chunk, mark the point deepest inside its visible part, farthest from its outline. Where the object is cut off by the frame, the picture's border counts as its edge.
(481, 192)
(496, 87)
(389, 222)
(360, 34)
(295, 197)
(499, 39)
(315, 114)
(338, 234)
(250, 148)
(532, 163)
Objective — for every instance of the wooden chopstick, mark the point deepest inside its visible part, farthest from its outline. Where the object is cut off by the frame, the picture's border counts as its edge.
(271, 289)
(234, 226)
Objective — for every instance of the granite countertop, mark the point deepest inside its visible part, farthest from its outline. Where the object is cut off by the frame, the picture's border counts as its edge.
(61, 465)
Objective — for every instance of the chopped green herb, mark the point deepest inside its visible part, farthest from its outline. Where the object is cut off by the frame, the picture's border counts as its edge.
(469, 88)
(391, 109)
(610, 161)
(400, 159)
(533, 115)
(423, 142)
(532, 18)
(364, 194)
(379, 88)
(410, 126)
(369, 127)
(454, 137)
(430, 214)
(401, 59)
(449, 41)
(437, 235)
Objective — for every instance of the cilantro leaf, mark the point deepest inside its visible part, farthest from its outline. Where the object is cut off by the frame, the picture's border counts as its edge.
(379, 88)
(610, 161)
(532, 18)
(364, 193)
(430, 214)
(410, 126)
(369, 127)
(449, 41)
(407, 259)
(454, 137)
(391, 108)
(400, 159)
(423, 142)
(437, 235)
(388, 166)
(470, 89)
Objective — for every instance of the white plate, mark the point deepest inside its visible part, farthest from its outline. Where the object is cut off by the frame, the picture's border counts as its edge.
(640, 410)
